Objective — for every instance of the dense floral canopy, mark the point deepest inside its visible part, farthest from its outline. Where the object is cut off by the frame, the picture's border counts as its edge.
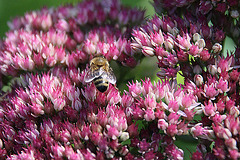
(52, 113)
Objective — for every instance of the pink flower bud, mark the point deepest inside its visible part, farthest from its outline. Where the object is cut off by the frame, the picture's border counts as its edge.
(162, 124)
(172, 130)
(198, 79)
(149, 115)
(204, 55)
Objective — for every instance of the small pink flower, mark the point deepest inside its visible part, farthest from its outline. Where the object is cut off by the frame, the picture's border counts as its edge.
(159, 91)
(174, 152)
(184, 42)
(204, 55)
(209, 109)
(160, 114)
(126, 100)
(173, 106)
(173, 118)
(220, 106)
(231, 143)
(89, 47)
(43, 21)
(222, 132)
(78, 36)
(58, 150)
(90, 92)
(160, 51)
(147, 86)
(102, 118)
(132, 129)
(197, 130)
(96, 137)
(135, 89)
(149, 115)
(232, 124)
(234, 154)
(157, 38)
(219, 152)
(113, 52)
(37, 109)
(122, 124)
(150, 102)
(112, 132)
(113, 96)
(224, 64)
(143, 145)
(234, 75)
(85, 132)
(62, 25)
(172, 130)
(230, 104)
(222, 86)
(162, 124)
(141, 37)
(210, 91)
(218, 118)
(137, 113)
(189, 114)
(187, 101)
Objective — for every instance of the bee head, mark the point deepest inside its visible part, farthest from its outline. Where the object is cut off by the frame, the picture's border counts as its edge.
(99, 61)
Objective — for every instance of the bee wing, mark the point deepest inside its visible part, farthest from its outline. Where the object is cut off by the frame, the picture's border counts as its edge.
(90, 75)
(109, 76)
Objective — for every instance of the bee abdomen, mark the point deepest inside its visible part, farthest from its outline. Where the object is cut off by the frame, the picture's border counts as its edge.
(101, 84)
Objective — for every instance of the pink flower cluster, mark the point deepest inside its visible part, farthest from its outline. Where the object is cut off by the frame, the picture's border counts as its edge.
(48, 116)
(222, 14)
(195, 52)
(69, 36)
(204, 7)
(52, 113)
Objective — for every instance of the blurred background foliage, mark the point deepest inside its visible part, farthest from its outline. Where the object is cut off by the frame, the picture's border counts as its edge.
(12, 8)
(148, 68)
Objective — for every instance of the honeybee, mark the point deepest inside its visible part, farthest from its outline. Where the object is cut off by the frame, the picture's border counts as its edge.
(100, 73)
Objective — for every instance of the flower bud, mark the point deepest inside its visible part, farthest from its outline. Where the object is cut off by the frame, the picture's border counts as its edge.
(198, 79)
(196, 37)
(148, 51)
(204, 55)
(124, 151)
(200, 43)
(124, 136)
(216, 48)
(169, 43)
(212, 69)
(234, 14)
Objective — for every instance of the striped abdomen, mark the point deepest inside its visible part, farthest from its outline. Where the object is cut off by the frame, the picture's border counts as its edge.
(101, 84)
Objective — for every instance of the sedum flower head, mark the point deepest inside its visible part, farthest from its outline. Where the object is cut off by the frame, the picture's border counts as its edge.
(52, 113)
(68, 36)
